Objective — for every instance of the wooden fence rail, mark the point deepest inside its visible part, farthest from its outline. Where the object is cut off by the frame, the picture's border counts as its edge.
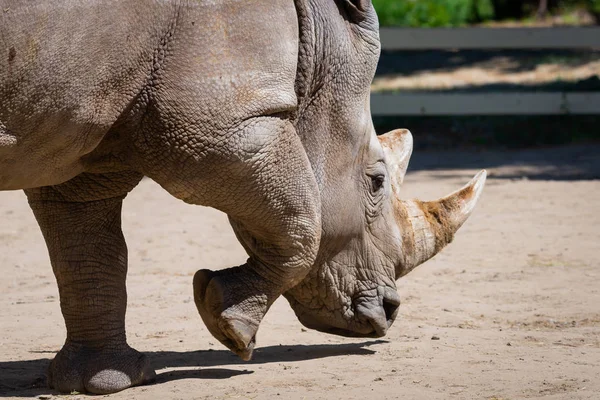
(489, 38)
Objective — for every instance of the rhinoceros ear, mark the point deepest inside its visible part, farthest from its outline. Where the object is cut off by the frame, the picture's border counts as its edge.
(357, 9)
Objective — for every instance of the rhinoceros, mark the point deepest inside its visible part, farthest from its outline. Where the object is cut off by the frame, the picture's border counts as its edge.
(259, 109)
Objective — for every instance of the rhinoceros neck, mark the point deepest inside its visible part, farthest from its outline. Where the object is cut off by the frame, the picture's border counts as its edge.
(306, 53)
(330, 103)
(312, 124)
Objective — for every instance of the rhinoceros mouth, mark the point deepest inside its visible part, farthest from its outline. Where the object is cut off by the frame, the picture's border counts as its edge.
(349, 333)
(372, 313)
(366, 322)
(354, 330)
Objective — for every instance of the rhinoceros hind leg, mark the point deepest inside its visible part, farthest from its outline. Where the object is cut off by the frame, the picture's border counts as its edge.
(81, 223)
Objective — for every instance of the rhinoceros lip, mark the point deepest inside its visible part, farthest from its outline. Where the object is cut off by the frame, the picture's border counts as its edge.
(368, 319)
(355, 328)
(349, 333)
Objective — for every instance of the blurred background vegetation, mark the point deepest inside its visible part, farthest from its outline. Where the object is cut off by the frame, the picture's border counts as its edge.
(449, 13)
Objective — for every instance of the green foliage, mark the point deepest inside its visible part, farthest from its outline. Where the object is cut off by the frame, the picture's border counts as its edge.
(594, 5)
(433, 13)
(448, 13)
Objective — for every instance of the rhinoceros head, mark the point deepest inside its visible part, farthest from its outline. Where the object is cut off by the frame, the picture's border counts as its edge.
(370, 236)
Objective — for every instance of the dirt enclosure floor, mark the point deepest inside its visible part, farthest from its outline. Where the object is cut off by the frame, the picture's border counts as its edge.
(510, 310)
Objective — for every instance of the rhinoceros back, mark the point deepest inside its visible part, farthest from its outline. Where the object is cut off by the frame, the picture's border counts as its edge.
(70, 69)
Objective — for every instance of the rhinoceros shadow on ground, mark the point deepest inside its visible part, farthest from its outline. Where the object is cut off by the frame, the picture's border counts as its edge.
(26, 378)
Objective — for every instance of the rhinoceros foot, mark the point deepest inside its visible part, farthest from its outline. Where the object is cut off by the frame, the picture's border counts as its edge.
(232, 303)
(98, 370)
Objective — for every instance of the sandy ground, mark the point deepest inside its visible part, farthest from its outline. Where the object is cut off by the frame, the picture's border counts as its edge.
(514, 302)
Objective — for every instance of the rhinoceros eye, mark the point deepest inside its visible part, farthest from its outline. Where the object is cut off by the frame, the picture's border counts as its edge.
(377, 182)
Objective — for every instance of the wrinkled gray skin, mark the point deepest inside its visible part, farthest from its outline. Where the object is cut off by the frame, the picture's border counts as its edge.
(259, 109)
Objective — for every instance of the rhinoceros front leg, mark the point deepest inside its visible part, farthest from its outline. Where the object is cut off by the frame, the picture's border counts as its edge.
(81, 223)
(267, 187)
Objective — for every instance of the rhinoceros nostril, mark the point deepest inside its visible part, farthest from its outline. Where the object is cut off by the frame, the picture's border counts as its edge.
(391, 309)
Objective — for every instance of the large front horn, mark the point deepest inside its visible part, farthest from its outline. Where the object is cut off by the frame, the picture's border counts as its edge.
(426, 226)
(429, 226)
